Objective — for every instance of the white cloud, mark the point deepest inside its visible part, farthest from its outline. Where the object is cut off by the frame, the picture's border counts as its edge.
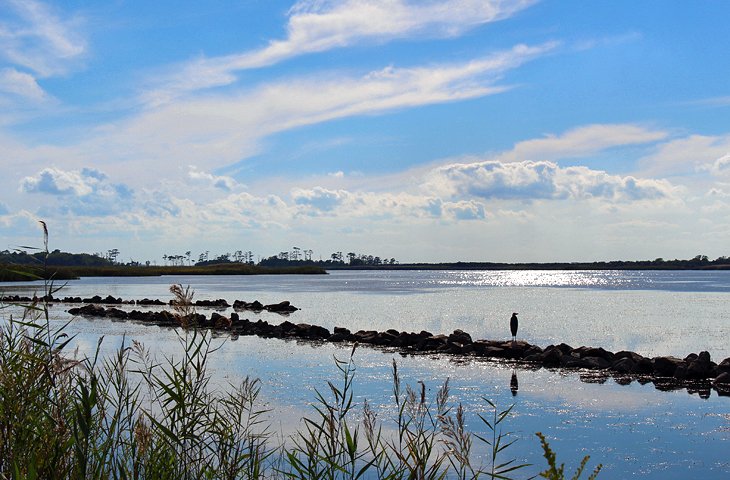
(21, 84)
(721, 166)
(396, 206)
(582, 141)
(58, 182)
(220, 130)
(685, 156)
(316, 26)
(34, 37)
(528, 180)
(84, 192)
(218, 181)
(4, 209)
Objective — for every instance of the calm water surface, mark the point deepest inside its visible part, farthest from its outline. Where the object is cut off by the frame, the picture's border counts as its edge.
(634, 430)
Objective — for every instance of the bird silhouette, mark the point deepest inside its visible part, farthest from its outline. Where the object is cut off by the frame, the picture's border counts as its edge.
(513, 326)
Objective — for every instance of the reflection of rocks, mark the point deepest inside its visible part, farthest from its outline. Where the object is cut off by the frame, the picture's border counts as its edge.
(696, 372)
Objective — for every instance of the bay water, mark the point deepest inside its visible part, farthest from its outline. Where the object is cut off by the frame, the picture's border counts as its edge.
(635, 430)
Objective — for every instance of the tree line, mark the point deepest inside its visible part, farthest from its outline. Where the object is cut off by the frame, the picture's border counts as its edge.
(301, 257)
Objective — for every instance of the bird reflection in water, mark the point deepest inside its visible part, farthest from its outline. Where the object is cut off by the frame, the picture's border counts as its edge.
(513, 385)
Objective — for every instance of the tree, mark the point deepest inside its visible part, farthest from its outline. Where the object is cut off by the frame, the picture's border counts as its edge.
(188, 254)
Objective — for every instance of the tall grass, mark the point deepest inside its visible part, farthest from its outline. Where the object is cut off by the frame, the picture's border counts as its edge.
(133, 416)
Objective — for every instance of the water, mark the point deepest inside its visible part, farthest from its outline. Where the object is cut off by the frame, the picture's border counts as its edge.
(634, 430)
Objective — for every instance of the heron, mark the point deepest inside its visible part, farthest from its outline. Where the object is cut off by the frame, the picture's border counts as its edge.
(513, 326)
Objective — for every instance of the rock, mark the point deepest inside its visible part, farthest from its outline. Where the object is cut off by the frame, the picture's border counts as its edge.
(701, 368)
(459, 336)
(281, 307)
(623, 365)
(312, 332)
(599, 352)
(117, 313)
(431, 343)
(89, 310)
(551, 356)
(635, 357)
(666, 366)
(569, 361)
(644, 366)
(722, 379)
(532, 350)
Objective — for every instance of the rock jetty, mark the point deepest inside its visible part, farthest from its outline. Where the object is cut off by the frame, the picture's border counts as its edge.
(696, 372)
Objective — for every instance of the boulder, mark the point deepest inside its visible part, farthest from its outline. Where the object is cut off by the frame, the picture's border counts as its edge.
(551, 356)
(623, 365)
(666, 366)
(598, 352)
(722, 379)
(700, 368)
(459, 336)
(281, 307)
(431, 343)
(570, 361)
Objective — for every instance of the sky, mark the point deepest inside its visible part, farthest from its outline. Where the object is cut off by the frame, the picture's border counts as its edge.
(421, 130)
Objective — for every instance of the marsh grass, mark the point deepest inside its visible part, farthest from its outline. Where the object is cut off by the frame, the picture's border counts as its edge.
(133, 416)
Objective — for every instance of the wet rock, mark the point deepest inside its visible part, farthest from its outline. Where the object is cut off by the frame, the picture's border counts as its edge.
(570, 361)
(219, 303)
(281, 307)
(112, 301)
(584, 352)
(666, 366)
(722, 379)
(701, 368)
(312, 332)
(624, 365)
(117, 313)
(532, 350)
(431, 343)
(89, 310)
(552, 356)
(459, 336)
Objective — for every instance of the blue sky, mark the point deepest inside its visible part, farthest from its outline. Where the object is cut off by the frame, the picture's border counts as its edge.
(424, 130)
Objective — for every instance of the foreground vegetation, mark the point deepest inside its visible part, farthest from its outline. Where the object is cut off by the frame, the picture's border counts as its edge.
(131, 416)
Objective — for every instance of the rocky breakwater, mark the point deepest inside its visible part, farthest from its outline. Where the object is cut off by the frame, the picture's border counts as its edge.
(220, 304)
(696, 372)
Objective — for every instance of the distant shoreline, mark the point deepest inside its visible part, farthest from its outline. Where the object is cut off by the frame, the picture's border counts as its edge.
(14, 273)
(618, 265)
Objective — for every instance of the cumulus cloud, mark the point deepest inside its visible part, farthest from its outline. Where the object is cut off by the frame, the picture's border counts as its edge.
(85, 192)
(218, 181)
(54, 181)
(320, 201)
(316, 26)
(528, 180)
(721, 166)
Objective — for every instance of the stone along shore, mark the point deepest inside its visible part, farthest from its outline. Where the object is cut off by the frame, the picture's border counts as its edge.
(696, 372)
